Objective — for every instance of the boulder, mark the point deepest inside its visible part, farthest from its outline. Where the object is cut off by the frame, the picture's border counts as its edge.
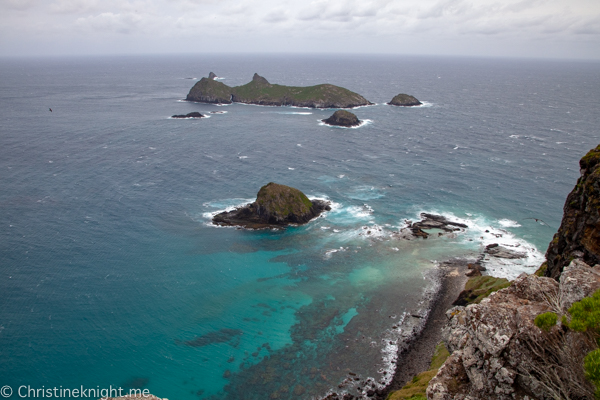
(275, 206)
(342, 118)
(404, 100)
(432, 221)
(498, 251)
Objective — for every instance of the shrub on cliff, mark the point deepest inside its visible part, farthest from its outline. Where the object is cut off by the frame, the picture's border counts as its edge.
(545, 321)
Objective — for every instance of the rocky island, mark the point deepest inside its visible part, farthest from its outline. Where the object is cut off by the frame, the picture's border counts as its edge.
(194, 114)
(276, 206)
(260, 92)
(404, 100)
(342, 118)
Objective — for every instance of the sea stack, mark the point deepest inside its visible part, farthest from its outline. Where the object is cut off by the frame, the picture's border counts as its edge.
(343, 118)
(404, 100)
(276, 206)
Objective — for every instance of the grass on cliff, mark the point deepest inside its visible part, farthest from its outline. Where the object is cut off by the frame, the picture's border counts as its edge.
(480, 287)
(415, 389)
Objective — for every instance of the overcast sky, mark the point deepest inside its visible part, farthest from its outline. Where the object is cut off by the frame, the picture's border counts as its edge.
(516, 28)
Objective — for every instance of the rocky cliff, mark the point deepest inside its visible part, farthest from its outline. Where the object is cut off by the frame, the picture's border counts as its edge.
(579, 232)
(498, 352)
(260, 92)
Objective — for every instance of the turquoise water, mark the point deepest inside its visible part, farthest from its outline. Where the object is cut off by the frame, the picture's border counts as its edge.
(111, 274)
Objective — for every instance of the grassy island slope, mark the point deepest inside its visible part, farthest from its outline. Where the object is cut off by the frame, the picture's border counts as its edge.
(259, 91)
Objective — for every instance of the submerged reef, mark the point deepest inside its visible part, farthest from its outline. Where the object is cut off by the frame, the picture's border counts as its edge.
(260, 92)
(275, 206)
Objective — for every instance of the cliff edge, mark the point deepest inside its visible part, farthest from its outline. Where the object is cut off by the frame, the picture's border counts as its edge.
(579, 232)
(498, 349)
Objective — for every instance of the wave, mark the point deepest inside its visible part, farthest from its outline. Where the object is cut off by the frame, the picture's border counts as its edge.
(365, 192)
(220, 206)
(424, 104)
(508, 223)
(483, 232)
(205, 116)
(363, 122)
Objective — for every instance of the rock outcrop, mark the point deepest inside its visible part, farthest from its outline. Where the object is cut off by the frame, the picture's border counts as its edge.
(404, 100)
(210, 91)
(260, 92)
(342, 118)
(579, 232)
(499, 353)
(194, 114)
(495, 250)
(212, 76)
(275, 206)
(432, 221)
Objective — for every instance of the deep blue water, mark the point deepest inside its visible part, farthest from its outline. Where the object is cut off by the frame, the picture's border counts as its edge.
(110, 273)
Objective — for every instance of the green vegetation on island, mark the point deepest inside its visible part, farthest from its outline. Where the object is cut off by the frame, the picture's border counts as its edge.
(275, 206)
(404, 100)
(260, 92)
(415, 389)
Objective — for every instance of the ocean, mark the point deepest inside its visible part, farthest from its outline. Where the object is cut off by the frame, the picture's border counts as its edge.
(111, 273)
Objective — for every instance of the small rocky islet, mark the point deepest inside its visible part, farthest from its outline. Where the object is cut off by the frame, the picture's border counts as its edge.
(404, 100)
(343, 118)
(194, 114)
(276, 206)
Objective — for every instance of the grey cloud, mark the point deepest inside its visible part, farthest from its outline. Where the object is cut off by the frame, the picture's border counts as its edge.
(276, 16)
(589, 27)
(109, 22)
(17, 4)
